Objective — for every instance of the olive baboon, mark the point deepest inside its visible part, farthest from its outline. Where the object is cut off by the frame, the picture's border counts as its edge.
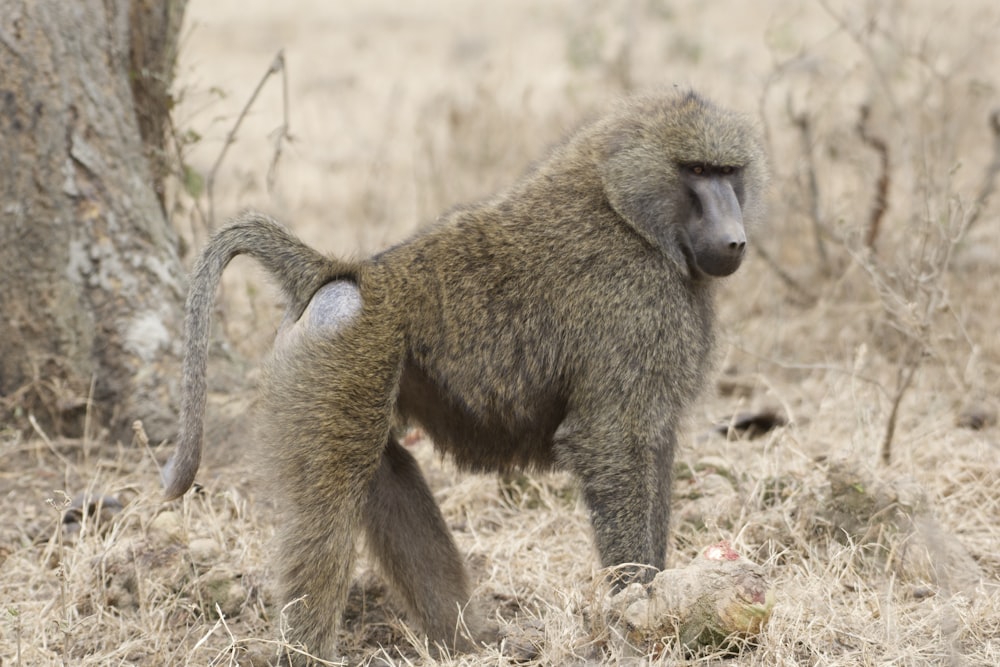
(566, 322)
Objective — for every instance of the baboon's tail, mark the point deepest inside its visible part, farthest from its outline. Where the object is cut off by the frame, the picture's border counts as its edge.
(300, 271)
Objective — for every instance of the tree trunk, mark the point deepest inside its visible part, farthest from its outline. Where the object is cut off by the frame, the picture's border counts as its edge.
(90, 277)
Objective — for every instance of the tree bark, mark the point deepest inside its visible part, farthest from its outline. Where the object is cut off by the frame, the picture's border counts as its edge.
(90, 277)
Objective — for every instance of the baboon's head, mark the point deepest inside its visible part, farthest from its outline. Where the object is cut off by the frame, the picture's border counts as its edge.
(688, 176)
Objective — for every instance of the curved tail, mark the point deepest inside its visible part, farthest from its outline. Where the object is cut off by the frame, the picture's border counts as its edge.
(300, 271)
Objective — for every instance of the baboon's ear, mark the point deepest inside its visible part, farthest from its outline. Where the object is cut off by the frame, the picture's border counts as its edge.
(645, 189)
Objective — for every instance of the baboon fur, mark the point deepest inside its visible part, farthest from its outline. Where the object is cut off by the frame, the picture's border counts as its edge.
(564, 323)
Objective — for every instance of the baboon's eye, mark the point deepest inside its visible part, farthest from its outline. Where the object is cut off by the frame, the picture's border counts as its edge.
(727, 170)
(697, 169)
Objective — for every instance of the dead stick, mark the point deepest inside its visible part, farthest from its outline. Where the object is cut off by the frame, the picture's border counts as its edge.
(903, 381)
(801, 121)
(276, 66)
(989, 183)
(881, 202)
(283, 132)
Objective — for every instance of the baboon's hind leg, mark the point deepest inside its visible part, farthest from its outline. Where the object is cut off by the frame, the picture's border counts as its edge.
(414, 548)
(326, 402)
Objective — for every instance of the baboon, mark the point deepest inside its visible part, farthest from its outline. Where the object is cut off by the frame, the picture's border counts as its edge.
(564, 323)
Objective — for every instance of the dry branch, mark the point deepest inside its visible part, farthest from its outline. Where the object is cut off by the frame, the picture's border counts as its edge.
(277, 65)
(881, 201)
(905, 377)
(989, 184)
(804, 126)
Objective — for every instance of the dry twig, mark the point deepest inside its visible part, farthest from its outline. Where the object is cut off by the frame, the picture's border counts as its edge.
(903, 379)
(881, 202)
(277, 65)
(989, 183)
(802, 123)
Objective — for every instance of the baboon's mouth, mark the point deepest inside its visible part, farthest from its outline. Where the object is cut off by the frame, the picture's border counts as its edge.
(721, 264)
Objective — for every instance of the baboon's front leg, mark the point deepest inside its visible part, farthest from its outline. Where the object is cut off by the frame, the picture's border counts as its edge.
(626, 484)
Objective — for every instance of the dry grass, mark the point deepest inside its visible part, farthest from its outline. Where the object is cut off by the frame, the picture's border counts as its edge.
(401, 113)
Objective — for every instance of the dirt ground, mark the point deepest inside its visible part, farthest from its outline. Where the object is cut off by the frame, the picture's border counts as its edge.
(849, 327)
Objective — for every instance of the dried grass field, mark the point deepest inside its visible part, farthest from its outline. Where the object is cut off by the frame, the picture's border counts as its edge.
(848, 443)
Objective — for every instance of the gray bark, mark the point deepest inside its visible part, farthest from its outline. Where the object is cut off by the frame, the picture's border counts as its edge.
(90, 277)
